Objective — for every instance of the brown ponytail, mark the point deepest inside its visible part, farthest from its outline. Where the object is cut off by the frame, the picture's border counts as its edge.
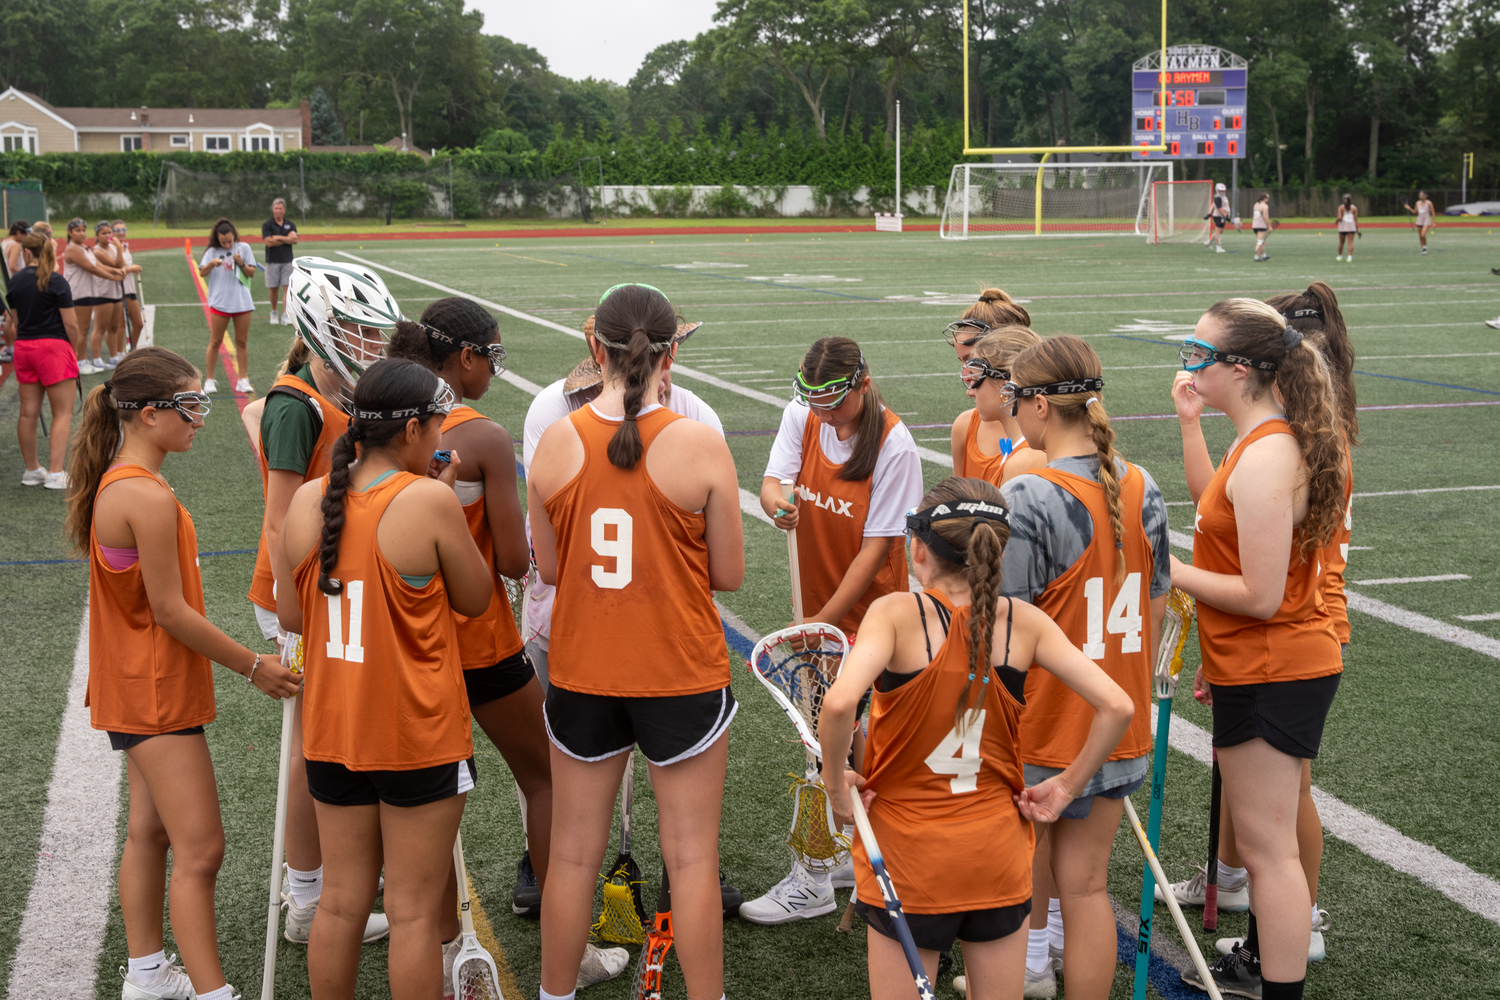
(145, 373)
(297, 355)
(999, 348)
(839, 357)
(996, 308)
(1060, 359)
(45, 252)
(1316, 313)
(1254, 329)
(635, 325)
(983, 540)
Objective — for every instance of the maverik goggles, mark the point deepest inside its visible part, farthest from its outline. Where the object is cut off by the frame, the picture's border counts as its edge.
(1198, 355)
(442, 402)
(919, 524)
(965, 333)
(493, 351)
(1012, 394)
(818, 396)
(976, 370)
(190, 406)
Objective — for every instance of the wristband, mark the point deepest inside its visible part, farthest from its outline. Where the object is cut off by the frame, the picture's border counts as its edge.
(250, 677)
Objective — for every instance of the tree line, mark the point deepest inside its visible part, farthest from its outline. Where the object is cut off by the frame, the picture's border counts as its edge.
(1386, 93)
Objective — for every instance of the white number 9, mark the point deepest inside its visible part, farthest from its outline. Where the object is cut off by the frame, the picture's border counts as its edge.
(618, 548)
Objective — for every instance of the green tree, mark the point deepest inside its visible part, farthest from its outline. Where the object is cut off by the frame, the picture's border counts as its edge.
(326, 130)
(35, 31)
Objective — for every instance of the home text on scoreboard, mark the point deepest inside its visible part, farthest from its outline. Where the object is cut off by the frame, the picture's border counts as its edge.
(1195, 104)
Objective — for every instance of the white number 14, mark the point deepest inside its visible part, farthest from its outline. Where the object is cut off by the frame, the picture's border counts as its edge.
(1124, 616)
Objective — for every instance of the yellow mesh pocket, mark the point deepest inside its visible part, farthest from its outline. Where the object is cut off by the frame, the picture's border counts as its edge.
(618, 921)
(811, 838)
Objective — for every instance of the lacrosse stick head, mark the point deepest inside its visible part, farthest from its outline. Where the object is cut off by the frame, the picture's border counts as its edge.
(621, 919)
(812, 839)
(474, 973)
(1174, 630)
(798, 665)
(292, 654)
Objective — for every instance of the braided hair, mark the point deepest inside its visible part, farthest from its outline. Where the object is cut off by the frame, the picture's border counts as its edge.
(635, 325)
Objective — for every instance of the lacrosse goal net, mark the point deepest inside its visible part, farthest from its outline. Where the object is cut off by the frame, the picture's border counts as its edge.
(989, 200)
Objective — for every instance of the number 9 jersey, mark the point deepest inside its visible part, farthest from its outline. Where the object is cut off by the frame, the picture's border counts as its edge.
(634, 614)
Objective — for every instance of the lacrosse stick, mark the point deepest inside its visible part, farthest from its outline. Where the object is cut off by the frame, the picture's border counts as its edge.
(1211, 885)
(1174, 630)
(623, 915)
(648, 969)
(474, 974)
(888, 894)
(292, 659)
(1177, 917)
(791, 555)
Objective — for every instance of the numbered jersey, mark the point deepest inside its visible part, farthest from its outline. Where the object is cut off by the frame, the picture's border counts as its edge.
(1298, 641)
(634, 614)
(1103, 616)
(492, 636)
(142, 679)
(944, 813)
(384, 688)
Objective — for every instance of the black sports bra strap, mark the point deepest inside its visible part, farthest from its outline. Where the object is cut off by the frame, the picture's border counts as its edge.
(1010, 619)
(944, 615)
(923, 612)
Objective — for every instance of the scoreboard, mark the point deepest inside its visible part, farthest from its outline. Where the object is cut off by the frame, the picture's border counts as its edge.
(1195, 105)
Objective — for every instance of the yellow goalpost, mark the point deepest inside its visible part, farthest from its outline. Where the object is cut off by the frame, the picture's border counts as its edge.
(1047, 151)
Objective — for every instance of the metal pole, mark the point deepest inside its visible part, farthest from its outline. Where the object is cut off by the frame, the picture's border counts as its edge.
(450, 188)
(1234, 189)
(898, 160)
(302, 183)
(156, 208)
(966, 174)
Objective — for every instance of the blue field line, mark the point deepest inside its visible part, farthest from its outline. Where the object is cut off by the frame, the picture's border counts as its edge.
(721, 277)
(1441, 385)
(1166, 978)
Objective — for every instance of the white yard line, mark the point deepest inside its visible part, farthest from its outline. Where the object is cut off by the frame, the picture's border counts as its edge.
(1493, 616)
(1440, 578)
(62, 930)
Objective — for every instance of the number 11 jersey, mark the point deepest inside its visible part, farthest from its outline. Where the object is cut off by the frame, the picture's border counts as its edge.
(634, 613)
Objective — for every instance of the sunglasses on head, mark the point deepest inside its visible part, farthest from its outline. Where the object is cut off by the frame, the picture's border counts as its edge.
(190, 406)
(965, 333)
(1197, 355)
(976, 370)
(1012, 394)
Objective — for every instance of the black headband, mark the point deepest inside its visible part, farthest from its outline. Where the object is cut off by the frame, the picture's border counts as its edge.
(920, 524)
(1314, 313)
(405, 412)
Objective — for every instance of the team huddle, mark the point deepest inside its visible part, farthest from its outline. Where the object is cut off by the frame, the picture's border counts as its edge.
(989, 709)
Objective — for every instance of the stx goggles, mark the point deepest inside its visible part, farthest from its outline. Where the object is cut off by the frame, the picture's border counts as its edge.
(919, 524)
(442, 402)
(839, 388)
(493, 351)
(190, 406)
(1012, 394)
(976, 370)
(1198, 355)
(965, 333)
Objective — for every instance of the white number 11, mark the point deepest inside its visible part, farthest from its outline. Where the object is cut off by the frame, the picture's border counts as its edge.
(337, 649)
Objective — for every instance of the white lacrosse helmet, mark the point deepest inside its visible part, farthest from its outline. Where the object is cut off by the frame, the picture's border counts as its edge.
(343, 312)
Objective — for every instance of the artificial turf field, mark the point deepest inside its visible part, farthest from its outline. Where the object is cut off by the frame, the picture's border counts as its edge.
(1412, 739)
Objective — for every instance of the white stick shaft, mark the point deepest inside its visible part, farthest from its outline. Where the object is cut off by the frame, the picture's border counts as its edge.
(791, 555)
(278, 845)
(462, 875)
(1177, 917)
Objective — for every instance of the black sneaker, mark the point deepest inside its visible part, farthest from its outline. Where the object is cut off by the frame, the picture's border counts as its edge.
(731, 897)
(526, 897)
(1237, 972)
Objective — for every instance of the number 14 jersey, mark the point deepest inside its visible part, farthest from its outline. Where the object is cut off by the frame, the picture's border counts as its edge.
(634, 613)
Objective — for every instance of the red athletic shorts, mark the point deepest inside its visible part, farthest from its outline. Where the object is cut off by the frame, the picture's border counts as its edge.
(218, 312)
(46, 360)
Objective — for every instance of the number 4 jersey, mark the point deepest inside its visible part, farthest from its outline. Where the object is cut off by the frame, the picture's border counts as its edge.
(634, 614)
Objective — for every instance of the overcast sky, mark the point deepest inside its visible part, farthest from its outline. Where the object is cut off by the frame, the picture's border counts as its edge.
(605, 39)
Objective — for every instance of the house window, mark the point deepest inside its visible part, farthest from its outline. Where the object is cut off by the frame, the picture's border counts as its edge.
(16, 140)
(130, 143)
(180, 141)
(262, 144)
(216, 143)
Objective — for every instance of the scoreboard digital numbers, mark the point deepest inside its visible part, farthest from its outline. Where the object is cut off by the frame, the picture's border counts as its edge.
(1195, 104)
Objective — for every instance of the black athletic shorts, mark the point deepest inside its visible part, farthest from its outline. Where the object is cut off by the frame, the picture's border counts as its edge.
(667, 729)
(124, 741)
(487, 684)
(938, 931)
(1289, 715)
(89, 300)
(131, 296)
(1220, 221)
(336, 785)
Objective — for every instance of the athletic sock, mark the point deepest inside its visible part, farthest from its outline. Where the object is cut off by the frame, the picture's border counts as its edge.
(149, 969)
(1055, 923)
(226, 992)
(1228, 874)
(1252, 938)
(550, 996)
(304, 887)
(1282, 991)
(1036, 951)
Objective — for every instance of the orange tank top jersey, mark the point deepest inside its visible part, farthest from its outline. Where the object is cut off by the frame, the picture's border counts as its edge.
(1298, 642)
(384, 688)
(1018, 446)
(831, 529)
(1109, 621)
(141, 679)
(1335, 557)
(634, 613)
(952, 837)
(978, 465)
(493, 636)
(335, 423)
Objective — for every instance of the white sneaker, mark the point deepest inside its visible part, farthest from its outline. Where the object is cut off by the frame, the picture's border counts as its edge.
(1234, 897)
(299, 919)
(843, 875)
(56, 481)
(104, 364)
(600, 965)
(1043, 984)
(243, 385)
(33, 477)
(210, 386)
(1218, 249)
(1339, 257)
(450, 952)
(799, 895)
(1493, 324)
(170, 983)
(274, 320)
(85, 367)
(1316, 950)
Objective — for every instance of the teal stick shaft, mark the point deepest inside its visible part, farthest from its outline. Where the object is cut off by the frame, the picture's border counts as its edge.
(1153, 834)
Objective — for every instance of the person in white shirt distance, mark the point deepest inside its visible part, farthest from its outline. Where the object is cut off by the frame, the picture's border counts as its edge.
(228, 264)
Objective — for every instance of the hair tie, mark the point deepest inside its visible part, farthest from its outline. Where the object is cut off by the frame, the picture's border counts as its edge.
(631, 417)
(1291, 338)
(109, 388)
(1090, 401)
(356, 433)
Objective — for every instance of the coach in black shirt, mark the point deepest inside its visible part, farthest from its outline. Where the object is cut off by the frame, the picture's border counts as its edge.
(279, 234)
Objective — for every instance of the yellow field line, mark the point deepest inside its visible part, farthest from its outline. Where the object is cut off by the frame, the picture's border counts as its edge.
(537, 259)
(486, 935)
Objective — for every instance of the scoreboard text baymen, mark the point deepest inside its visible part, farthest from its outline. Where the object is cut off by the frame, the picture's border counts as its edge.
(1195, 105)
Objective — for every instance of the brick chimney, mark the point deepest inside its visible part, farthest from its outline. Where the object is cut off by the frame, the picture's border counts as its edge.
(306, 124)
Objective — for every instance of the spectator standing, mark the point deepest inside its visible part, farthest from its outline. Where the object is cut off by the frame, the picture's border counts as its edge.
(80, 268)
(132, 299)
(10, 248)
(279, 234)
(41, 311)
(228, 265)
(109, 313)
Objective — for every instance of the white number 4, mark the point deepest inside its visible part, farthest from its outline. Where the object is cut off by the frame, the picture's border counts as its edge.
(337, 648)
(619, 547)
(958, 755)
(1124, 616)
